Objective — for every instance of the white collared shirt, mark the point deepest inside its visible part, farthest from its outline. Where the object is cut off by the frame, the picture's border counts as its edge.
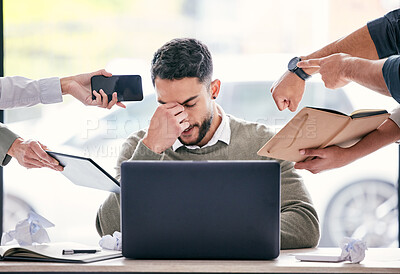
(223, 133)
(17, 91)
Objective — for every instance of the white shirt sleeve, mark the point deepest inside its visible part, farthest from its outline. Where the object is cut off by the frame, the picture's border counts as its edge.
(17, 91)
(395, 116)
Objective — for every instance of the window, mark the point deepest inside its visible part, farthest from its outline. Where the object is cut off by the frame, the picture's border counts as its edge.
(46, 38)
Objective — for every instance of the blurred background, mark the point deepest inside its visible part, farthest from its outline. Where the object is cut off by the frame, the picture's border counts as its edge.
(251, 42)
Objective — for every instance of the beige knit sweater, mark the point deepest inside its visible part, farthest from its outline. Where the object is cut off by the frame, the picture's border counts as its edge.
(299, 221)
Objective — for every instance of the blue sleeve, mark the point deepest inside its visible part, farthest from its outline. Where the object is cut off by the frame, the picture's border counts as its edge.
(391, 75)
(385, 33)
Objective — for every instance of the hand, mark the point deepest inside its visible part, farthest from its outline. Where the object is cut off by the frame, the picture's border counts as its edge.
(326, 158)
(31, 154)
(79, 86)
(166, 125)
(333, 69)
(288, 91)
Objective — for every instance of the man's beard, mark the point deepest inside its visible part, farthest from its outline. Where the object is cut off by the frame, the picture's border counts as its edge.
(203, 129)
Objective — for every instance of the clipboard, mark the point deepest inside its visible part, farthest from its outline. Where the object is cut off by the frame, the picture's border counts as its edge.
(85, 172)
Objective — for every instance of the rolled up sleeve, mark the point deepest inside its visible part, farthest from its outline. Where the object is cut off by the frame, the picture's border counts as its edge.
(391, 74)
(385, 33)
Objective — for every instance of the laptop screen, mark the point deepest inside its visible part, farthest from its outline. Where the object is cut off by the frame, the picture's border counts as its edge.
(200, 210)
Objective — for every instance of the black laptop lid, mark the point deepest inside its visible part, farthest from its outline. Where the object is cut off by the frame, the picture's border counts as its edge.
(200, 210)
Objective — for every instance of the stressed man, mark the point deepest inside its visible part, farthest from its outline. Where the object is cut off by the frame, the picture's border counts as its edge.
(189, 125)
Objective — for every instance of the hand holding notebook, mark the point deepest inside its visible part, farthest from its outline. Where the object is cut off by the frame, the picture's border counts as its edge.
(320, 128)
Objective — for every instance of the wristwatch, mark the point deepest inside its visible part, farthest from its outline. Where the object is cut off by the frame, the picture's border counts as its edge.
(292, 67)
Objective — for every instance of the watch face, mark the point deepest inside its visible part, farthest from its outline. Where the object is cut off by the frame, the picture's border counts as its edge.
(292, 66)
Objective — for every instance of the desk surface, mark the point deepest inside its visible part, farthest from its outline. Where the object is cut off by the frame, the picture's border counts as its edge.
(377, 260)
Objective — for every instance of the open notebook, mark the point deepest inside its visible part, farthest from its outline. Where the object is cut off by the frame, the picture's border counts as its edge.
(320, 128)
(53, 252)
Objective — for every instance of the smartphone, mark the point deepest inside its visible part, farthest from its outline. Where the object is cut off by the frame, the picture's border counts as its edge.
(127, 87)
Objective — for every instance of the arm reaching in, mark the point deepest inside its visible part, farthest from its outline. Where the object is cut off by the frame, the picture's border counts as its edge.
(79, 87)
(338, 69)
(31, 154)
(288, 91)
(334, 156)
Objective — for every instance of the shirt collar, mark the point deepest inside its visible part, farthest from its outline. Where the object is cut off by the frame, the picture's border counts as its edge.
(223, 133)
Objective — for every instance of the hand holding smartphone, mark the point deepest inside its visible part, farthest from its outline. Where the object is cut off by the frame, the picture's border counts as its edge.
(127, 87)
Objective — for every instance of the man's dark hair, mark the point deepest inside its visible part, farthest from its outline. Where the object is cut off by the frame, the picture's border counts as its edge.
(180, 58)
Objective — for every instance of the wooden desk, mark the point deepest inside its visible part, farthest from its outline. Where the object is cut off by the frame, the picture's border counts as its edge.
(378, 260)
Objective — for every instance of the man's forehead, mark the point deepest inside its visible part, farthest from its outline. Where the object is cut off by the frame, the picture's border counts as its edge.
(178, 90)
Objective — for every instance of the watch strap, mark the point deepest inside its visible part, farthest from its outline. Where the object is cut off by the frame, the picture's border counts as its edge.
(301, 73)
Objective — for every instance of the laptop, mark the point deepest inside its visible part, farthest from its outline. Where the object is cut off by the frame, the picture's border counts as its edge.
(200, 210)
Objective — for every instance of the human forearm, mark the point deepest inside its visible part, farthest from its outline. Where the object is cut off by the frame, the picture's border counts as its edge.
(377, 39)
(334, 156)
(385, 134)
(288, 90)
(367, 73)
(358, 44)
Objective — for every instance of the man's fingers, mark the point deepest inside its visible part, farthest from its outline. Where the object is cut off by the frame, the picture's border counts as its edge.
(35, 163)
(38, 163)
(280, 102)
(293, 105)
(42, 155)
(101, 72)
(105, 73)
(177, 109)
(312, 152)
(104, 101)
(97, 101)
(44, 147)
(181, 116)
(171, 105)
(184, 126)
(300, 165)
(311, 165)
(121, 105)
(311, 63)
(27, 165)
(113, 101)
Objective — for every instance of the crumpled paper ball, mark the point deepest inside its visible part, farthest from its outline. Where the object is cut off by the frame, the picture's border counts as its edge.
(29, 231)
(113, 242)
(353, 250)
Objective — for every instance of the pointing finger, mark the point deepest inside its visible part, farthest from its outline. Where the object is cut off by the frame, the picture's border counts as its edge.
(311, 63)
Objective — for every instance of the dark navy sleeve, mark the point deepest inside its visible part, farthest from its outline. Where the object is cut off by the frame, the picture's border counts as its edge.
(385, 33)
(391, 75)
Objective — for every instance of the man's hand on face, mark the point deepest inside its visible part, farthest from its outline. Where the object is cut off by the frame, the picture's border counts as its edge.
(288, 91)
(166, 125)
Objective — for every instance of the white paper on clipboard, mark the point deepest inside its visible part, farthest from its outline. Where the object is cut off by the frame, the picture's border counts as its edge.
(85, 172)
